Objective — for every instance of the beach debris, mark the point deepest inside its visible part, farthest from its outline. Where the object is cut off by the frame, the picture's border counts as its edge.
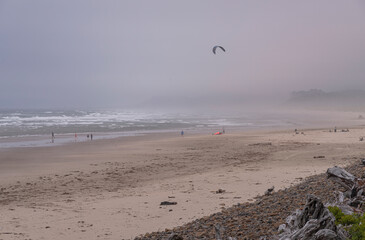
(164, 203)
(261, 219)
(174, 236)
(261, 144)
(220, 191)
(269, 191)
(215, 48)
(319, 156)
(315, 221)
(354, 189)
(363, 161)
(342, 177)
(361, 139)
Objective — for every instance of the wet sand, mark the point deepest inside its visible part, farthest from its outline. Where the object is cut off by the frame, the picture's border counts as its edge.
(112, 189)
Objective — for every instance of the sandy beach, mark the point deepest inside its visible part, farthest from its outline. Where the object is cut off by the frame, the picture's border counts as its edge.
(112, 189)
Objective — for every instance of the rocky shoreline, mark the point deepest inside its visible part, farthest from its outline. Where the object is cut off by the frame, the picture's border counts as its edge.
(262, 218)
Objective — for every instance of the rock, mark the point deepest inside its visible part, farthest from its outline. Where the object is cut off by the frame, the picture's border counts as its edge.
(220, 191)
(319, 157)
(363, 161)
(174, 236)
(168, 203)
(346, 209)
(219, 231)
(269, 191)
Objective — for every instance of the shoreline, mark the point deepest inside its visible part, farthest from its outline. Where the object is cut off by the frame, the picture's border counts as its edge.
(282, 120)
(117, 185)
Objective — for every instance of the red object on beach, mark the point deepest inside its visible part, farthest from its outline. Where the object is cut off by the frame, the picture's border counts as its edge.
(218, 133)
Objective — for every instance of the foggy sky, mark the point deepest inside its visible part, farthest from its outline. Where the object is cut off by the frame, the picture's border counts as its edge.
(117, 54)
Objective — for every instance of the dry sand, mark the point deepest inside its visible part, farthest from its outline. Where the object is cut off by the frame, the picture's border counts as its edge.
(112, 189)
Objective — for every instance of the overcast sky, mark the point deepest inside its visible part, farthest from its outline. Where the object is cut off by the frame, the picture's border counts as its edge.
(118, 54)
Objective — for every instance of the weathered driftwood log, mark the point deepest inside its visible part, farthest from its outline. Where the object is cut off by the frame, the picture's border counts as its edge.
(353, 196)
(314, 222)
(342, 177)
(168, 203)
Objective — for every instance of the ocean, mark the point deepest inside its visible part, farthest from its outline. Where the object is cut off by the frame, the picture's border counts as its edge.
(30, 128)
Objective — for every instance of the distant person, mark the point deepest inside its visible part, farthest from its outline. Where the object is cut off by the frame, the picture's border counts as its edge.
(182, 132)
(224, 131)
(75, 137)
(335, 129)
(52, 137)
(87, 136)
(91, 137)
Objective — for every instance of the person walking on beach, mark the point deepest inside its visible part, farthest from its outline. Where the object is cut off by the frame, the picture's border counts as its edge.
(91, 136)
(182, 132)
(52, 137)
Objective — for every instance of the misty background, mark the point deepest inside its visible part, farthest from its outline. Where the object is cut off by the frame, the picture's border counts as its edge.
(151, 54)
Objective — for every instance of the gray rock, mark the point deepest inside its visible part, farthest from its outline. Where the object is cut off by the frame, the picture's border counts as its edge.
(363, 161)
(174, 236)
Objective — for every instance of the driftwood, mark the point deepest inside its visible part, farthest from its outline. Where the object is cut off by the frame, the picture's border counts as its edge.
(314, 222)
(355, 188)
(341, 176)
(168, 203)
